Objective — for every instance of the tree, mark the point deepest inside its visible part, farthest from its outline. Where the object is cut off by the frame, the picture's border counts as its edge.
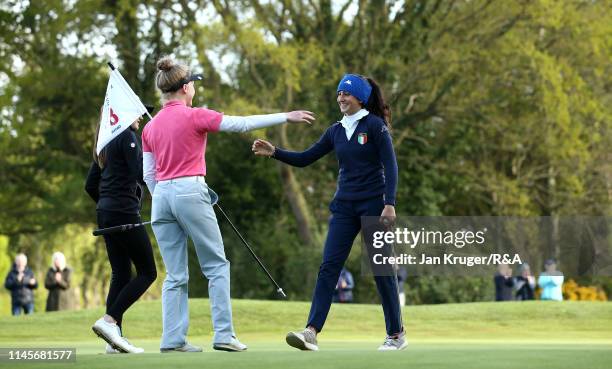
(499, 108)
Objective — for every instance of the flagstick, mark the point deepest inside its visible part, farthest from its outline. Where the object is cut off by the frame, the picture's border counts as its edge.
(112, 67)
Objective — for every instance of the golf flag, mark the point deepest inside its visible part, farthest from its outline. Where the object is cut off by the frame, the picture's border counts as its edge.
(121, 108)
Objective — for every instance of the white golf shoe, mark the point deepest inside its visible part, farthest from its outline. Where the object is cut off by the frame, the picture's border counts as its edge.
(110, 350)
(305, 340)
(394, 343)
(109, 332)
(233, 346)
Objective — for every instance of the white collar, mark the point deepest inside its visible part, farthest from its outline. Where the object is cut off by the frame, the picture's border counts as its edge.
(349, 121)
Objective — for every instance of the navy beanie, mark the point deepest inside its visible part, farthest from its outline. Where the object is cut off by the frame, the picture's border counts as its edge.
(356, 86)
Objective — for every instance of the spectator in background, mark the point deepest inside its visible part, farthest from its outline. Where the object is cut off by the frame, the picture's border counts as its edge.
(525, 284)
(551, 282)
(58, 284)
(344, 287)
(21, 282)
(503, 283)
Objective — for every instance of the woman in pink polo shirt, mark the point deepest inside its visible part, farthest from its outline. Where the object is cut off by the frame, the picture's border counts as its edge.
(174, 167)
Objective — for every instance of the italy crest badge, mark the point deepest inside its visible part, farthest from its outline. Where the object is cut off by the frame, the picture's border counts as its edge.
(362, 138)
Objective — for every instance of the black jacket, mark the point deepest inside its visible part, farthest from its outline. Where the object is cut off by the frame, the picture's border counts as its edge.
(503, 288)
(524, 290)
(118, 186)
(21, 291)
(60, 295)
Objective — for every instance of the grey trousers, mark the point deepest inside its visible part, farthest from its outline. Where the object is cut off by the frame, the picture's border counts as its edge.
(181, 209)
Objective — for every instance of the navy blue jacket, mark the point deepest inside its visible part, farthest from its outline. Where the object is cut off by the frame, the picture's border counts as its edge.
(21, 292)
(368, 167)
(503, 288)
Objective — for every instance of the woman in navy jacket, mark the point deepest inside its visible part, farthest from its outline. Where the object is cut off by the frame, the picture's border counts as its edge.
(367, 184)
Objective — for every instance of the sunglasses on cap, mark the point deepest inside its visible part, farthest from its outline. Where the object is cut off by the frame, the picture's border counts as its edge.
(184, 81)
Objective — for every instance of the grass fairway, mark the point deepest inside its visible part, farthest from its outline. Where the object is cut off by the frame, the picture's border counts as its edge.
(480, 335)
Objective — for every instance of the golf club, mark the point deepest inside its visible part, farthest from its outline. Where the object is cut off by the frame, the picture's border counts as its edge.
(214, 200)
(119, 228)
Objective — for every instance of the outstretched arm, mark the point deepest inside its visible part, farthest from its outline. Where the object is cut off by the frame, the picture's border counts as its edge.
(298, 159)
(231, 123)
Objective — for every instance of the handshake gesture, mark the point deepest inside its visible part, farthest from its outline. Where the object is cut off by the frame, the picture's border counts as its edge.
(264, 148)
(300, 116)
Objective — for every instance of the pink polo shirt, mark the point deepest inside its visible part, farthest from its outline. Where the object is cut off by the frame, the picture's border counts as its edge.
(177, 138)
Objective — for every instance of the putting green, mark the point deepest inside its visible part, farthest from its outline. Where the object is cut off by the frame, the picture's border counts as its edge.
(479, 335)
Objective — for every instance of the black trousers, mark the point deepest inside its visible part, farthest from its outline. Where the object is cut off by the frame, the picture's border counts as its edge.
(123, 249)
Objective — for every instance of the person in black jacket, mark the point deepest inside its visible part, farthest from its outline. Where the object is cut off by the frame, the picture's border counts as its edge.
(57, 282)
(114, 182)
(525, 284)
(21, 282)
(504, 283)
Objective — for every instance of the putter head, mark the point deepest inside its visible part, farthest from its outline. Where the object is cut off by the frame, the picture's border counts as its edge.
(214, 198)
(281, 292)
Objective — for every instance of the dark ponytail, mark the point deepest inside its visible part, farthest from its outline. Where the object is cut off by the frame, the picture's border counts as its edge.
(376, 103)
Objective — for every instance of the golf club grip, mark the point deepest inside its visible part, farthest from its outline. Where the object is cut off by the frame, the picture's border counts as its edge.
(110, 230)
(119, 228)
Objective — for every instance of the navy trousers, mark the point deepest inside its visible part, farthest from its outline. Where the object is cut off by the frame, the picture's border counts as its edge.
(344, 226)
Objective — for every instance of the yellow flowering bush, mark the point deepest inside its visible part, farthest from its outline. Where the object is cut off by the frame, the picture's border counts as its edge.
(574, 292)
